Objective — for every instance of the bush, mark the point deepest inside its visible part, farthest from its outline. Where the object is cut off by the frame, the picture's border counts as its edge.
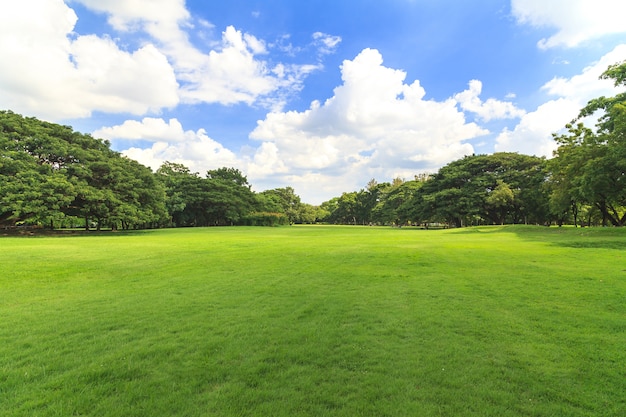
(265, 219)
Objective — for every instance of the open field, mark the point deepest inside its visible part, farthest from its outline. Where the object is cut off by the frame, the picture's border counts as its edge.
(315, 321)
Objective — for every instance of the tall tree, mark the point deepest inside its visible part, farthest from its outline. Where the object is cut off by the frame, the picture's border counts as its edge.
(590, 165)
(230, 197)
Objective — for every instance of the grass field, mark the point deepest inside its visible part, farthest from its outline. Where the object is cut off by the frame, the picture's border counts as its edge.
(315, 321)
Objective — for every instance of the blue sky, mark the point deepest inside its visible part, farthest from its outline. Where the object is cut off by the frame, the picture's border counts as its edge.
(320, 95)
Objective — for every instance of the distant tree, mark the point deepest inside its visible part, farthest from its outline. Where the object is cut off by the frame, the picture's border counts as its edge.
(327, 210)
(223, 197)
(395, 203)
(179, 184)
(283, 200)
(230, 197)
(460, 192)
(346, 211)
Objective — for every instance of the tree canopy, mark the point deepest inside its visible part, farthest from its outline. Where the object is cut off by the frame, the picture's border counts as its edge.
(48, 172)
(589, 167)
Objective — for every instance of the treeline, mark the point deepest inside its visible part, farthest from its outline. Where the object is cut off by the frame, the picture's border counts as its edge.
(55, 177)
(478, 189)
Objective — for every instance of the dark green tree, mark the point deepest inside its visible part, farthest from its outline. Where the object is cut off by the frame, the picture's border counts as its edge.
(589, 167)
(48, 172)
(460, 192)
(285, 201)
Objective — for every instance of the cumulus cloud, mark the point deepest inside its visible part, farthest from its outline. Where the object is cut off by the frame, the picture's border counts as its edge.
(487, 110)
(149, 129)
(56, 74)
(152, 15)
(575, 21)
(533, 134)
(194, 149)
(232, 72)
(375, 125)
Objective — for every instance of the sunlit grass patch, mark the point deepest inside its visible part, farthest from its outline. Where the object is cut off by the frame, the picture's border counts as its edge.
(342, 321)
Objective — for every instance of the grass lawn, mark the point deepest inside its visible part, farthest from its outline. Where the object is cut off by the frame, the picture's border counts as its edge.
(315, 321)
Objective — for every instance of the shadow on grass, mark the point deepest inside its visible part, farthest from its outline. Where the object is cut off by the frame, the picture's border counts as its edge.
(595, 244)
(569, 237)
(34, 233)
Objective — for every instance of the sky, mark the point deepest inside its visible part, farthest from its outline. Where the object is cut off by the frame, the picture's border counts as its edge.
(322, 95)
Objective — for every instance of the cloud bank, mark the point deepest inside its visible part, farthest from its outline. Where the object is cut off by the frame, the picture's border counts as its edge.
(58, 74)
(575, 22)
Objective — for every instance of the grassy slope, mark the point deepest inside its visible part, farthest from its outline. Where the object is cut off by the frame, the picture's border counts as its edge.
(341, 321)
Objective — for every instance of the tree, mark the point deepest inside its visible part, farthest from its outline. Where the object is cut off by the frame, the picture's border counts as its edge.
(283, 200)
(590, 165)
(346, 211)
(460, 192)
(48, 172)
(501, 199)
(229, 197)
(395, 204)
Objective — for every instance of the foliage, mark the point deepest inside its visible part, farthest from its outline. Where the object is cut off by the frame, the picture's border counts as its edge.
(395, 202)
(590, 165)
(493, 189)
(265, 219)
(222, 198)
(48, 171)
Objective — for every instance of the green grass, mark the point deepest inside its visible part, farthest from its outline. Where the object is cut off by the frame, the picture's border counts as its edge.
(315, 321)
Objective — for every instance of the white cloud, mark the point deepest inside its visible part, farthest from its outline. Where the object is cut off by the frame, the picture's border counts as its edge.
(326, 44)
(230, 73)
(375, 125)
(487, 110)
(55, 74)
(587, 85)
(126, 15)
(196, 150)
(533, 135)
(576, 21)
(233, 74)
(149, 129)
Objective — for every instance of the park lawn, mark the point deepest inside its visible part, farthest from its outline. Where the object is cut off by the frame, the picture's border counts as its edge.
(315, 321)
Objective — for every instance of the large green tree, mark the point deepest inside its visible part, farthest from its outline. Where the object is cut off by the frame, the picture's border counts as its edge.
(395, 202)
(230, 197)
(49, 172)
(283, 200)
(589, 167)
(223, 197)
(502, 187)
